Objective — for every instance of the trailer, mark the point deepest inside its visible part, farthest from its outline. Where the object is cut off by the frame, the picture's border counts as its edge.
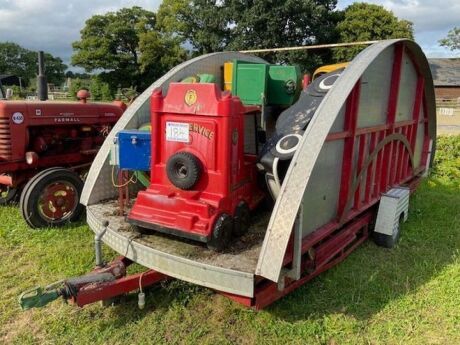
(366, 148)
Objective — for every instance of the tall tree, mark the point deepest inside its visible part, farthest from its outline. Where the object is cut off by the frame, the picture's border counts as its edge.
(452, 41)
(216, 25)
(366, 22)
(127, 47)
(22, 62)
(203, 24)
(274, 24)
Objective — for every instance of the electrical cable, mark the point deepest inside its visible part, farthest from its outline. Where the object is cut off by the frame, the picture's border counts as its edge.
(133, 179)
(140, 280)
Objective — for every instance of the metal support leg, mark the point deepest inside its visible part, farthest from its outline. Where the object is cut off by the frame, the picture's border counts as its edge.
(295, 271)
(98, 244)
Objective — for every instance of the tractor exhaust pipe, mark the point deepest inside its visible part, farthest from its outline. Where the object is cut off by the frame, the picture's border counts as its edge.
(42, 87)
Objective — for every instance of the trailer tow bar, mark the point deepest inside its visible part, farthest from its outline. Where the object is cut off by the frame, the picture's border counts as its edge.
(103, 283)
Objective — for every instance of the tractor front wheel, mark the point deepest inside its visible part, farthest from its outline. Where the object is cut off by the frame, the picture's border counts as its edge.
(52, 198)
(7, 194)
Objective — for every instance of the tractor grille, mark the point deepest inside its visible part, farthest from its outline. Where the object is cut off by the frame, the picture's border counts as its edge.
(5, 139)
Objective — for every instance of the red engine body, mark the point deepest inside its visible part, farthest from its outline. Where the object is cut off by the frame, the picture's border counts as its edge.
(50, 134)
(199, 120)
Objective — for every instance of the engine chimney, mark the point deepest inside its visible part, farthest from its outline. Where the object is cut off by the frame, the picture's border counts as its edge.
(42, 87)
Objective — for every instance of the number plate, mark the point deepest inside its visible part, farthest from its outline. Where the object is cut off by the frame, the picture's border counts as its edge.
(177, 131)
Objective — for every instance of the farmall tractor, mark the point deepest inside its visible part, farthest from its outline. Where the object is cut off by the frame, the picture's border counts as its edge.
(45, 149)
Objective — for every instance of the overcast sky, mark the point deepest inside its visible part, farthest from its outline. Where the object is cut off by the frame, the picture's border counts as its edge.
(52, 25)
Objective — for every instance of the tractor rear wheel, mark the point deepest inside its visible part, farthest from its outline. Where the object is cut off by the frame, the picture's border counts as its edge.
(52, 198)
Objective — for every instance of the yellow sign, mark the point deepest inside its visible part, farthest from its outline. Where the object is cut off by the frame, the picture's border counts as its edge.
(190, 97)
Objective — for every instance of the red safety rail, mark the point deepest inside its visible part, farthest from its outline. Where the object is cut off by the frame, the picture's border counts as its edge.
(383, 153)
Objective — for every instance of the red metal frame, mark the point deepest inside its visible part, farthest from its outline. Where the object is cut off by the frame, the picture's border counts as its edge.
(94, 292)
(104, 291)
(330, 245)
(321, 250)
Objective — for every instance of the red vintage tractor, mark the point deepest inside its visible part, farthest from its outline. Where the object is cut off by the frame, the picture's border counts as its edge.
(45, 148)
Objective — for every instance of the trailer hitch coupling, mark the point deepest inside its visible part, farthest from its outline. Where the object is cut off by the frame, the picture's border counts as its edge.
(38, 297)
(69, 289)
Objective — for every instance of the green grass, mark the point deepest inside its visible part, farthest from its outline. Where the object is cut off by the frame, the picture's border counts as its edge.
(408, 295)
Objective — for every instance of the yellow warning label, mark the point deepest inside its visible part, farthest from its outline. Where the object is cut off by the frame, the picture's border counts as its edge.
(190, 97)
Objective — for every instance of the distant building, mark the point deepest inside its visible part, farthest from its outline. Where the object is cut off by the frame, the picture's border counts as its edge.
(446, 78)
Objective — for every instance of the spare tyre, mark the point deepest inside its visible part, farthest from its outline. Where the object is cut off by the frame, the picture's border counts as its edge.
(183, 170)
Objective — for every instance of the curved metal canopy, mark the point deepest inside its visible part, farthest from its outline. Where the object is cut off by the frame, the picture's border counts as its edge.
(299, 174)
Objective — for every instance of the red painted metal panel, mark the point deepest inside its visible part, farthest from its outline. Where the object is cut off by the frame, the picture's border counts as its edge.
(416, 115)
(370, 170)
(349, 147)
(392, 106)
(362, 149)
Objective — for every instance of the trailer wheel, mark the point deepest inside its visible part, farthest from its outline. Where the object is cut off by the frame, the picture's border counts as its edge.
(51, 198)
(389, 241)
(221, 233)
(242, 219)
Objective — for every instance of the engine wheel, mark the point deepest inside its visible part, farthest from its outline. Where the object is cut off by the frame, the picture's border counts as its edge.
(242, 219)
(221, 233)
(52, 198)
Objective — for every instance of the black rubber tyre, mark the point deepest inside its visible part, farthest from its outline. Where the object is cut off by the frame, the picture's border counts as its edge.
(183, 170)
(142, 231)
(52, 198)
(242, 219)
(388, 241)
(28, 184)
(221, 233)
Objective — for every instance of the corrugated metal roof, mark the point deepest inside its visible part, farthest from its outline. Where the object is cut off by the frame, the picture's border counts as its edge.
(446, 72)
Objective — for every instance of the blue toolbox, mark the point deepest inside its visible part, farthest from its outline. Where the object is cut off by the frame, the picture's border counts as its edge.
(134, 150)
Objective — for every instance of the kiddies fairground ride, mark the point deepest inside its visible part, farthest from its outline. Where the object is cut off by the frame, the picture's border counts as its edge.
(187, 197)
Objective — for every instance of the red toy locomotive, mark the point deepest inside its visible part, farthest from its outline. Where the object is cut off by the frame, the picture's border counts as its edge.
(203, 165)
